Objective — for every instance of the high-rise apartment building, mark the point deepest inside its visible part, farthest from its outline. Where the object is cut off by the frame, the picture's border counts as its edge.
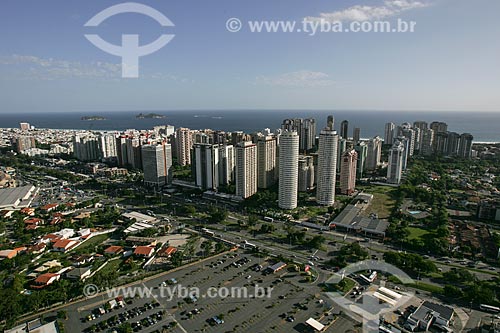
(341, 148)
(227, 164)
(344, 129)
(374, 153)
(356, 135)
(362, 151)
(349, 162)
(157, 164)
(389, 133)
(288, 170)
(266, 157)
(246, 169)
(327, 167)
(107, 146)
(184, 142)
(465, 149)
(86, 147)
(24, 142)
(395, 166)
(206, 166)
(306, 173)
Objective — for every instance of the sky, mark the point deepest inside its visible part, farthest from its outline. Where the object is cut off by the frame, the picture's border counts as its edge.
(451, 62)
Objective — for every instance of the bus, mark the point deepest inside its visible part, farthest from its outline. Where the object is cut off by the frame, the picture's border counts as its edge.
(489, 308)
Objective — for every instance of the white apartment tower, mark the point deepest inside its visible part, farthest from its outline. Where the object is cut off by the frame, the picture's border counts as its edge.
(246, 169)
(184, 142)
(327, 167)
(288, 170)
(395, 167)
(374, 153)
(266, 157)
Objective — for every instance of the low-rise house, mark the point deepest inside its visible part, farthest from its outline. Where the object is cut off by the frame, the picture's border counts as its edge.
(64, 245)
(144, 251)
(37, 248)
(33, 223)
(6, 213)
(45, 280)
(50, 207)
(80, 260)
(80, 273)
(28, 211)
(113, 250)
(166, 251)
(8, 254)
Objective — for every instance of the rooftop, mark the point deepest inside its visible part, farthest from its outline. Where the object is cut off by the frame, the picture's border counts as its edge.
(16, 197)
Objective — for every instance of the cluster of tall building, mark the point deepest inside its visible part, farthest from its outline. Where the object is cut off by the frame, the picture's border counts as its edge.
(293, 157)
(424, 139)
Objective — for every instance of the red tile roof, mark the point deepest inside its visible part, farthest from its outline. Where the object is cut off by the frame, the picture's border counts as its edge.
(143, 250)
(45, 278)
(113, 249)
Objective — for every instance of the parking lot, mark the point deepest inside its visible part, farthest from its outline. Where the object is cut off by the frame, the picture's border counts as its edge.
(280, 303)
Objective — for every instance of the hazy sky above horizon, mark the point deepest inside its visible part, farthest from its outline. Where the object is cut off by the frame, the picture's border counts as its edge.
(451, 61)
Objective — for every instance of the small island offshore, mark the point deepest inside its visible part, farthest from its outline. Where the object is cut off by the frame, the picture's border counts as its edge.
(93, 118)
(150, 116)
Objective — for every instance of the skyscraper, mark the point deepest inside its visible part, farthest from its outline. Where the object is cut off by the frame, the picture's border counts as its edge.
(362, 150)
(107, 146)
(341, 148)
(85, 147)
(246, 169)
(395, 167)
(452, 144)
(427, 144)
(206, 166)
(327, 167)
(306, 130)
(465, 149)
(348, 172)
(422, 126)
(157, 164)
(227, 164)
(266, 157)
(307, 135)
(330, 122)
(356, 135)
(374, 152)
(439, 127)
(389, 132)
(288, 170)
(409, 133)
(184, 142)
(306, 173)
(344, 129)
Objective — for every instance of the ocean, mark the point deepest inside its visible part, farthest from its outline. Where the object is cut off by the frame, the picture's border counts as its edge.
(482, 125)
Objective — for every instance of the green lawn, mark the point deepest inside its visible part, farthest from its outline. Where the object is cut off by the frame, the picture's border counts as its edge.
(416, 233)
(382, 203)
(89, 245)
(427, 287)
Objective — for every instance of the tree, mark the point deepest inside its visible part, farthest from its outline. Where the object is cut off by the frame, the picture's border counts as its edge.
(452, 291)
(316, 242)
(176, 259)
(217, 215)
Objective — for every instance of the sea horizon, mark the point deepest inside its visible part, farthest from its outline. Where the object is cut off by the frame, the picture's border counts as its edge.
(482, 125)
